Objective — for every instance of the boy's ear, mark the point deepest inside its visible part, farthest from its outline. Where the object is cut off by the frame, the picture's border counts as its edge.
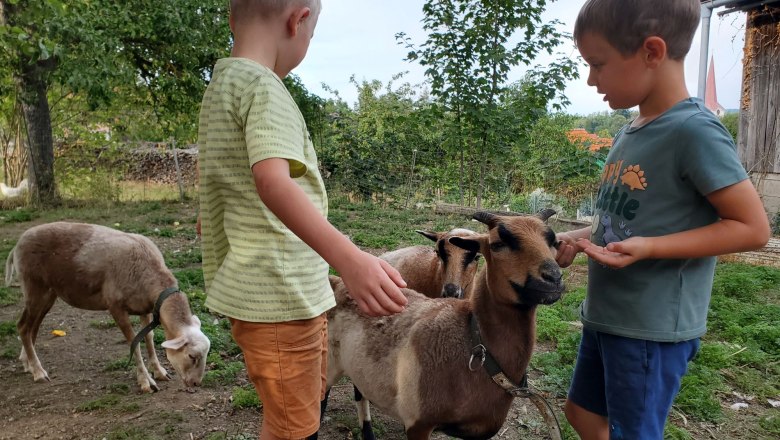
(296, 18)
(654, 51)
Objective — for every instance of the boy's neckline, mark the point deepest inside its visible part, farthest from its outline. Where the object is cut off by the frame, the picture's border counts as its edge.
(640, 122)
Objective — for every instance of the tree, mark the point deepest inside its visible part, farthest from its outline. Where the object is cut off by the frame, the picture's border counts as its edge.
(468, 56)
(160, 52)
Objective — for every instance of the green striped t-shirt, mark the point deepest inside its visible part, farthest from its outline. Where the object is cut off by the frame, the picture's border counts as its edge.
(255, 268)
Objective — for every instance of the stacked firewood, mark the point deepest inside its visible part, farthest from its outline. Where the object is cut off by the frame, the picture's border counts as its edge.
(158, 164)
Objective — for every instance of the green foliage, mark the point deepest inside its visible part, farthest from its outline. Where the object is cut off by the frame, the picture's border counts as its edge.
(731, 122)
(18, 216)
(697, 396)
(245, 398)
(551, 160)
(9, 296)
(7, 328)
(190, 280)
(605, 124)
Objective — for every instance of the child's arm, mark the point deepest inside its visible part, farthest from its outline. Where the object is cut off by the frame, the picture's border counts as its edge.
(743, 226)
(371, 282)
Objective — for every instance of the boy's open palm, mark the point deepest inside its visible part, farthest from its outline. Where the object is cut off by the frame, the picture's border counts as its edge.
(618, 254)
(374, 285)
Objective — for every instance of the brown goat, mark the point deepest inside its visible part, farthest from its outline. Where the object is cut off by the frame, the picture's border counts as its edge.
(396, 361)
(444, 271)
(93, 267)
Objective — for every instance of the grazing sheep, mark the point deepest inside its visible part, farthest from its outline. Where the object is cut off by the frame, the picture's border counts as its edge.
(98, 268)
(444, 271)
(397, 361)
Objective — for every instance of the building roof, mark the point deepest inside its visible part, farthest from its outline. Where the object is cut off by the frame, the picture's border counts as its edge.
(738, 5)
(710, 93)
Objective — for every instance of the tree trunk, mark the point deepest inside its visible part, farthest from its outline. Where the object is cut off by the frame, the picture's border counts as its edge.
(35, 107)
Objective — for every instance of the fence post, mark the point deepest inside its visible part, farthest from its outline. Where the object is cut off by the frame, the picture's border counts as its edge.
(411, 177)
(178, 170)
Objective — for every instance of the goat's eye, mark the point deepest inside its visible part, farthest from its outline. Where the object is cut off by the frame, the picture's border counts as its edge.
(497, 246)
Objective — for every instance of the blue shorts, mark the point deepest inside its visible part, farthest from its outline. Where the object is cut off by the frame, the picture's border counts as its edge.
(632, 382)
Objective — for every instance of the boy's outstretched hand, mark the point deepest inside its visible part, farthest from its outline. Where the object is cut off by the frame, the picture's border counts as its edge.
(374, 285)
(618, 254)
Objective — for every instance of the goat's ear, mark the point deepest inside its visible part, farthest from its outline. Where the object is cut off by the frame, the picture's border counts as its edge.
(196, 320)
(487, 218)
(469, 244)
(545, 214)
(175, 344)
(429, 235)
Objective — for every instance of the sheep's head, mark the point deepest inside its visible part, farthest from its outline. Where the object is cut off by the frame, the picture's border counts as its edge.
(187, 353)
(520, 256)
(458, 265)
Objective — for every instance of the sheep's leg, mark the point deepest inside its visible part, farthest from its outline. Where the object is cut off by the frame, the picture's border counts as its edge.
(364, 415)
(158, 372)
(141, 373)
(37, 304)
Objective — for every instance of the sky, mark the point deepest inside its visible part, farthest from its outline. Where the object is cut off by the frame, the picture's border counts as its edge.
(357, 38)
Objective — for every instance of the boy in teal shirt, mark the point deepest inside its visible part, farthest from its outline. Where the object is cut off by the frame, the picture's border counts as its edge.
(673, 195)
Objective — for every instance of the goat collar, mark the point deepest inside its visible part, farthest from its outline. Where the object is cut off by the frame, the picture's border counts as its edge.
(480, 352)
(155, 319)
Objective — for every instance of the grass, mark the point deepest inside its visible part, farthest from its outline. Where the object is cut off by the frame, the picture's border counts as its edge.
(245, 397)
(740, 353)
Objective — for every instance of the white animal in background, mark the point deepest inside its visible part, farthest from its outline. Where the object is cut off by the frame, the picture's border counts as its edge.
(11, 192)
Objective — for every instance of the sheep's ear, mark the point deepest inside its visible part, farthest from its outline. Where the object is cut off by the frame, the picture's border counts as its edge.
(487, 218)
(429, 235)
(545, 214)
(468, 244)
(175, 344)
(196, 320)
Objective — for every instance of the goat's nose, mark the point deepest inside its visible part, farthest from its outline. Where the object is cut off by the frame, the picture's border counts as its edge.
(551, 272)
(451, 291)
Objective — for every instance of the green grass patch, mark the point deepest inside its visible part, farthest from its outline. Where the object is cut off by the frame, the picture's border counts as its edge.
(129, 433)
(182, 258)
(189, 280)
(120, 364)
(221, 373)
(19, 215)
(108, 401)
(245, 398)
(9, 296)
(7, 328)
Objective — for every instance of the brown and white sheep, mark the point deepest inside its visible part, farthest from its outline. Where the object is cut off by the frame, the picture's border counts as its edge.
(397, 361)
(442, 271)
(94, 267)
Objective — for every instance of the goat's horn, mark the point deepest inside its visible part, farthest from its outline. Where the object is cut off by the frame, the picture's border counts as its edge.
(545, 213)
(485, 217)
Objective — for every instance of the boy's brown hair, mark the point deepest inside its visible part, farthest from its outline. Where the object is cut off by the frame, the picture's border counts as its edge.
(244, 9)
(625, 24)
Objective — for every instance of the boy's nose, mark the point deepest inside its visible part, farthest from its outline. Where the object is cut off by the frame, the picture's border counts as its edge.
(592, 78)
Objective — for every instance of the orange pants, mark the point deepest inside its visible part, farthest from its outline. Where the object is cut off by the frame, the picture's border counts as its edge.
(286, 362)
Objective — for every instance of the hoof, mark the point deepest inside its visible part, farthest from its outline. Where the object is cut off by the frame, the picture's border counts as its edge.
(162, 375)
(42, 378)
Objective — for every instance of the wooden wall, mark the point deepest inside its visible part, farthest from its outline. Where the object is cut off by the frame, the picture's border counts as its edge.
(759, 127)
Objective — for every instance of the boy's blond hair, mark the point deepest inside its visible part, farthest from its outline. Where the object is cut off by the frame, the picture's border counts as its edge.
(625, 24)
(244, 9)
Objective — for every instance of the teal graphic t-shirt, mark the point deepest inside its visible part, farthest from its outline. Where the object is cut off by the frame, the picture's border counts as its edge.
(655, 182)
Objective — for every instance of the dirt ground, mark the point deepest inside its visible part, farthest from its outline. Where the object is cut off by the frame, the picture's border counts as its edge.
(77, 363)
